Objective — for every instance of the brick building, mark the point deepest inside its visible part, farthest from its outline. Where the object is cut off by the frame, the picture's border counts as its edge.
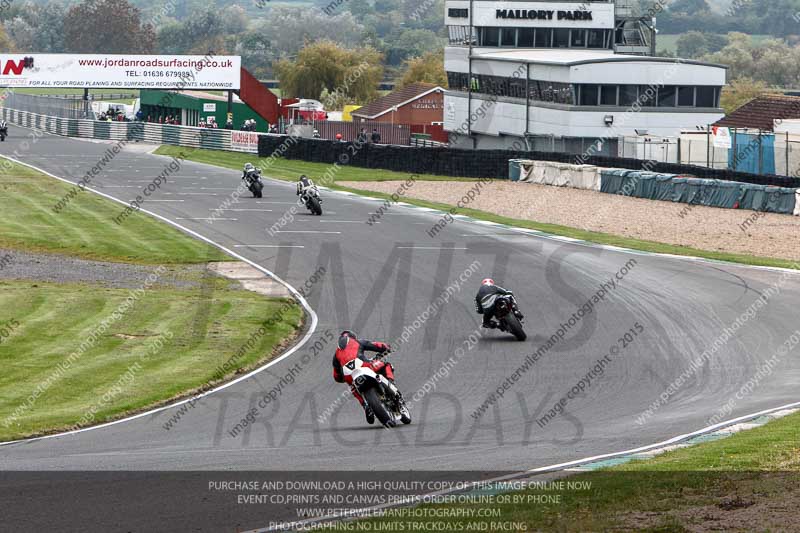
(418, 104)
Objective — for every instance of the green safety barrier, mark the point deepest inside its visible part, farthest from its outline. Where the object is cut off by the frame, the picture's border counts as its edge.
(514, 169)
(696, 191)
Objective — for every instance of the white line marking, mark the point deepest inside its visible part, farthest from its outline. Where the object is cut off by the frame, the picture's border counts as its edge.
(309, 231)
(165, 200)
(428, 248)
(299, 297)
(268, 246)
(205, 218)
(329, 220)
(260, 210)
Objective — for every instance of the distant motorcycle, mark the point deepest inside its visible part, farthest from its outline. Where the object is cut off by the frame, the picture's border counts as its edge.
(3, 130)
(508, 316)
(254, 183)
(311, 198)
(381, 394)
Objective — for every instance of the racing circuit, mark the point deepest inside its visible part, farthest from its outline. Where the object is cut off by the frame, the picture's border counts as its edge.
(378, 281)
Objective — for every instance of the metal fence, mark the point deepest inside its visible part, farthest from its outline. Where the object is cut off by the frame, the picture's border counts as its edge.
(215, 139)
(48, 105)
(754, 151)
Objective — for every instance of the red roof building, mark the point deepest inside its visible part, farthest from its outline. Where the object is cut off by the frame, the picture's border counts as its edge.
(762, 112)
(415, 104)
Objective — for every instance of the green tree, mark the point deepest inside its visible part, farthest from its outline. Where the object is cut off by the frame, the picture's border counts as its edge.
(6, 43)
(290, 28)
(411, 43)
(38, 28)
(428, 68)
(324, 65)
(739, 92)
(109, 26)
(695, 44)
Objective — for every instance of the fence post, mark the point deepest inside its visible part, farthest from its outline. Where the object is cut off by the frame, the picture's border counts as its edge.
(735, 151)
(760, 152)
(708, 146)
(786, 149)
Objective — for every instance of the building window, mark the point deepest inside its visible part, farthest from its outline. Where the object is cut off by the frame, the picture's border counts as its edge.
(490, 36)
(508, 37)
(458, 13)
(588, 94)
(525, 37)
(459, 34)
(596, 39)
(627, 95)
(544, 37)
(561, 38)
(666, 96)
(686, 96)
(457, 81)
(578, 38)
(648, 95)
(608, 95)
(706, 96)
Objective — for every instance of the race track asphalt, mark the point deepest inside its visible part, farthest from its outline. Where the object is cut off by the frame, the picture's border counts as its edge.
(380, 278)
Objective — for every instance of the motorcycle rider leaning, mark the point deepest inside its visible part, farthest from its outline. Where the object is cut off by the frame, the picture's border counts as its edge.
(350, 348)
(249, 172)
(485, 301)
(303, 184)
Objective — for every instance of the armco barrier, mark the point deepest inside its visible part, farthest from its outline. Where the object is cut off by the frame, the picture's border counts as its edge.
(482, 163)
(137, 131)
(698, 191)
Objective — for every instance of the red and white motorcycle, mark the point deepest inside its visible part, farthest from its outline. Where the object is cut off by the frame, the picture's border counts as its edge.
(381, 395)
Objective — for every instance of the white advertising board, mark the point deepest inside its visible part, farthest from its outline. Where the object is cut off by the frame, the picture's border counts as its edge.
(721, 137)
(244, 141)
(120, 71)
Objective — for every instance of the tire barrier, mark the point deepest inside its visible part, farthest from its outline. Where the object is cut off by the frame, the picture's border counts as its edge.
(213, 139)
(699, 191)
(459, 162)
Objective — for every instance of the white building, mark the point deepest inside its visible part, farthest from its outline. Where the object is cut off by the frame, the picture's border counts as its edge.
(561, 75)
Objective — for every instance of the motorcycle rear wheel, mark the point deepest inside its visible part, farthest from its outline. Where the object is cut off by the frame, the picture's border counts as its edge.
(375, 403)
(515, 327)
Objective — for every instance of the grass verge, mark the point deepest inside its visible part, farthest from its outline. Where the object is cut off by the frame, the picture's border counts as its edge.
(287, 169)
(77, 354)
(85, 227)
(745, 482)
(168, 342)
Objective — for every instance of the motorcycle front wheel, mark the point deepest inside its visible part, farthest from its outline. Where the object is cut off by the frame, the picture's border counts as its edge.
(375, 403)
(313, 205)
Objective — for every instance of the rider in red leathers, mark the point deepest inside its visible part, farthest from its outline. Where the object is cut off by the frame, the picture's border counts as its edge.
(350, 348)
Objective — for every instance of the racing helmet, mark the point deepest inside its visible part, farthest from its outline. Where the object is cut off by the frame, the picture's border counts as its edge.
(344, 338)
(487, 281)
(248, 167)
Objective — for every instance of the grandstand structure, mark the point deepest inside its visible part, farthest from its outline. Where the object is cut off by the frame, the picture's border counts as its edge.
(564, 76)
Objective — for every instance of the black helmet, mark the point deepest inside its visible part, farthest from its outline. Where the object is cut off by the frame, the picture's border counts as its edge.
(344, 338)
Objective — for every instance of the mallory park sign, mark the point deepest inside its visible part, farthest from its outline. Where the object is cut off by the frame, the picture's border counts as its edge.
(542, 14)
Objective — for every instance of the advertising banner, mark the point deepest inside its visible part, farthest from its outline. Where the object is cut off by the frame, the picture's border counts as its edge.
(721, 137)
(120, 71)
(244, 141)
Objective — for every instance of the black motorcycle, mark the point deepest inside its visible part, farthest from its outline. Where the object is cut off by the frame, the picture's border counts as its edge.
(3, 131)
(509, 317)
(311, 198)
(254, 183)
